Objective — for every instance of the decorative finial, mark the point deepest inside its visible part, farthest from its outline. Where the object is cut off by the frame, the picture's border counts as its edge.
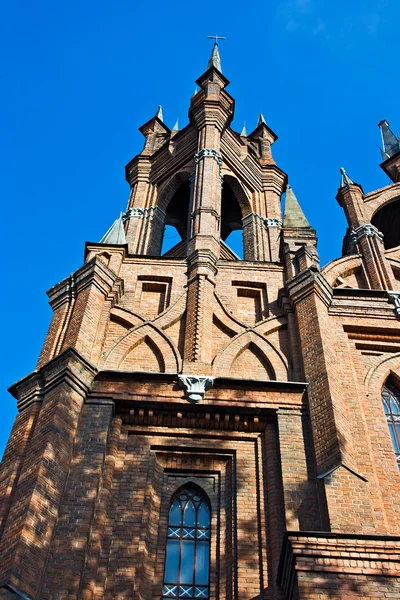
(176, 126)
(159, 113)
(243, 132)
(260, 120)
(345, 180)
(215, 59)
(390, 143)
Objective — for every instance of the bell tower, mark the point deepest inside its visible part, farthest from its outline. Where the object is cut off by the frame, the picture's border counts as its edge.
(201, 425)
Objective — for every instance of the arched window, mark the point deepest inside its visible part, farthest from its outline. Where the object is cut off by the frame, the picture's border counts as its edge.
(186, 573)
(391, 405)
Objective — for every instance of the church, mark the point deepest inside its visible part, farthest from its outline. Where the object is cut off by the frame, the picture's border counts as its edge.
(204, 426)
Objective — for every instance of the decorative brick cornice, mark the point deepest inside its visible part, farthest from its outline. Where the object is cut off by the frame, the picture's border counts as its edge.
(208, 153)
(366, 230)
(69, 367)
(368, 556)
(195, 386)
(307, 282)
(202, 262)
(94, 272)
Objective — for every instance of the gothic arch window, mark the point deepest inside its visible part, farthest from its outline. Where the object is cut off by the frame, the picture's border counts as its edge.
(391, 405)
(187, 560)
(231, 218)
(176, 218)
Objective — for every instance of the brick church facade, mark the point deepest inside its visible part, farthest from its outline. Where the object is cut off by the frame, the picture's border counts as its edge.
(200, 426)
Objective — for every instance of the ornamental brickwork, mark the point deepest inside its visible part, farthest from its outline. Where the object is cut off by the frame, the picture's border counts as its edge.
(255, 383)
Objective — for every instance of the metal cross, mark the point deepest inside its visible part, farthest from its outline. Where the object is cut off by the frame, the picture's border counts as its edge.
(216, 38)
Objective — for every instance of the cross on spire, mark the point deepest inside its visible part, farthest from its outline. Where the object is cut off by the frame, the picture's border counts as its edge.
(216, 38)
(215, 60)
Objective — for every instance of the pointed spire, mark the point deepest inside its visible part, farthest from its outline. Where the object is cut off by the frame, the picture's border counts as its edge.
(260, 120)
(176, 126)
(243, 132)
(116, 233)
(215, 59)
(196, 89)
(294, 216)
(391, 143)
(159, 114)
(345, 180)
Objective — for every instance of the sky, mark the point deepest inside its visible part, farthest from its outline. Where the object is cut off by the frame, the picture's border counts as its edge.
(77, 79)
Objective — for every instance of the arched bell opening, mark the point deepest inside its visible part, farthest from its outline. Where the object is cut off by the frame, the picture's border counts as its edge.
(387, 220)
(176, 218)
(234, 206)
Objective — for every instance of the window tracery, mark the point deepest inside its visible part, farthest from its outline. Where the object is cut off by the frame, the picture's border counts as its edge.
(186, 572)
(391, 405)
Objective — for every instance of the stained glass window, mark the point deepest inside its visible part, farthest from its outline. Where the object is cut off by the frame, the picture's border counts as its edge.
(391, 405)
(187, 561)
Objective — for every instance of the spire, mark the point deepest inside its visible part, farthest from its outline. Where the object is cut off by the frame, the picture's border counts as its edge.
(116, 233)
(294, 216)
(215, 59)
(391, 143)
(260, 120)
(176, 126)
(243, 132)
(159, 114)
(345, 180)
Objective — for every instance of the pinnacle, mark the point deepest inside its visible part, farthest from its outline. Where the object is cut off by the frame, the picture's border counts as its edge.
(116, 233)
(345, 180)
(159, 114)
(294, 216)
(261, 120)
(391, 143)
(176, 126)
(215, 59)
(243, 132)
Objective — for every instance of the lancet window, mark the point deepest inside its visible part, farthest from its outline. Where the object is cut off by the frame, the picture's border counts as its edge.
(186, 573)
(391, 405)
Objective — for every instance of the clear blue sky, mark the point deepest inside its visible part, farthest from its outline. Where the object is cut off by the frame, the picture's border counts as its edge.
(78, 78)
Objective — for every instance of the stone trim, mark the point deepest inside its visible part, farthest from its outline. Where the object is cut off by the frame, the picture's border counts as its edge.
(394, 298)
(143, 213)
(208, 153)
(367, 230)
(195, 386)
(266, 221)
(270, 222)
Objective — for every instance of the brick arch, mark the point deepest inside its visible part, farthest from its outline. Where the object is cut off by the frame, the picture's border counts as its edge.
(389, 195)
(144, 356)
(224, 360)
(378, 374)
(239, 193)
(167, 190)
(251, 360)
(341, 267)
(128, 342)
